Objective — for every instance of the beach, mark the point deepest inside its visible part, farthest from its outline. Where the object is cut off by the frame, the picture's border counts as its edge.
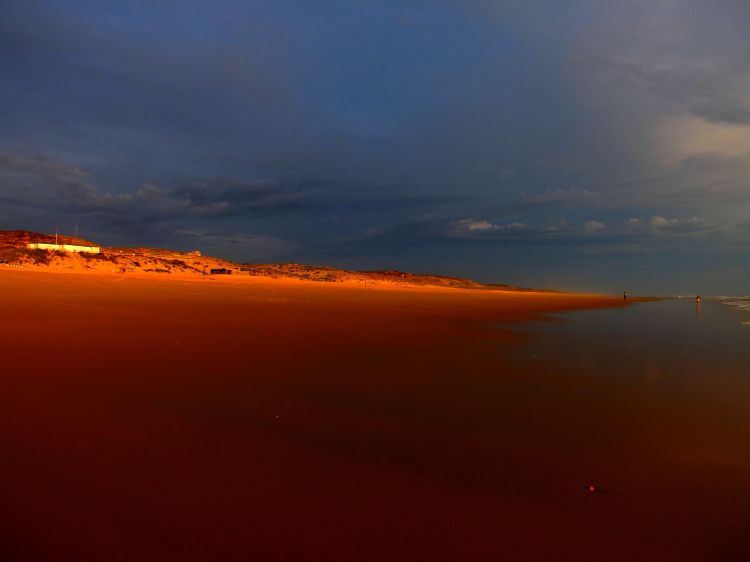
(176, 418)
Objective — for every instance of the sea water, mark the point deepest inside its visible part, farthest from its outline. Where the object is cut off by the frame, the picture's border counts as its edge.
(650, 402)
(740, 303)
(672, 335)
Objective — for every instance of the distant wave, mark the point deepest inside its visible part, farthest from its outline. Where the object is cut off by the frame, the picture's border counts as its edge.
(742, 303)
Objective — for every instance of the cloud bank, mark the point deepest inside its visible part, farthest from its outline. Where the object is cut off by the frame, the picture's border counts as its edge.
(472, 138)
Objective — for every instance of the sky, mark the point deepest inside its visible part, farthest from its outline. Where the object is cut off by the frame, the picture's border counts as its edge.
(578, 145)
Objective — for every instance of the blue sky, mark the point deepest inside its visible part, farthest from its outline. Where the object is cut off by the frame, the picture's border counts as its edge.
(579, 145)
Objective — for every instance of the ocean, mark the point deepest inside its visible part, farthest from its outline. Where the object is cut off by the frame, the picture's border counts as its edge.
(741, 303)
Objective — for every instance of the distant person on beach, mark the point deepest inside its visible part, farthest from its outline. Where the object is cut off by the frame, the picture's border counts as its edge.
(698, 303)
(624, 295)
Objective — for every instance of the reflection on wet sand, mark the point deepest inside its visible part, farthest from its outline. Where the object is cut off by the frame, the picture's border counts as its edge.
(145, 420)
(651, 401)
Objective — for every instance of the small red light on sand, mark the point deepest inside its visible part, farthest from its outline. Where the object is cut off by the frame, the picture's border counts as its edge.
(589, 488)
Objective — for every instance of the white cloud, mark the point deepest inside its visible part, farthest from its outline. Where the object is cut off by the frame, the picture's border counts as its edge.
(661, 222)
(482, 228)
(473, 225)
(634, 222)
(594, 226)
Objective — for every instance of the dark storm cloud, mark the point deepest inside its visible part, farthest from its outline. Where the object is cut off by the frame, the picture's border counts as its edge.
(689, 55)
(39, 181)
(38, 164)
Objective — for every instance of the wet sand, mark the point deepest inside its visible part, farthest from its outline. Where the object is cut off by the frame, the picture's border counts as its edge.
(223, 419)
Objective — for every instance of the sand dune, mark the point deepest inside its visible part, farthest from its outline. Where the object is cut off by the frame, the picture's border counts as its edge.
(159, 261)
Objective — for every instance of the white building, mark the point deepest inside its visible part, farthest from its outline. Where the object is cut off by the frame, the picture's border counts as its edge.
(64, 247)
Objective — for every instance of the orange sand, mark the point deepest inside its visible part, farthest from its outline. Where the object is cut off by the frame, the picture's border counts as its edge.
(251, 419)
